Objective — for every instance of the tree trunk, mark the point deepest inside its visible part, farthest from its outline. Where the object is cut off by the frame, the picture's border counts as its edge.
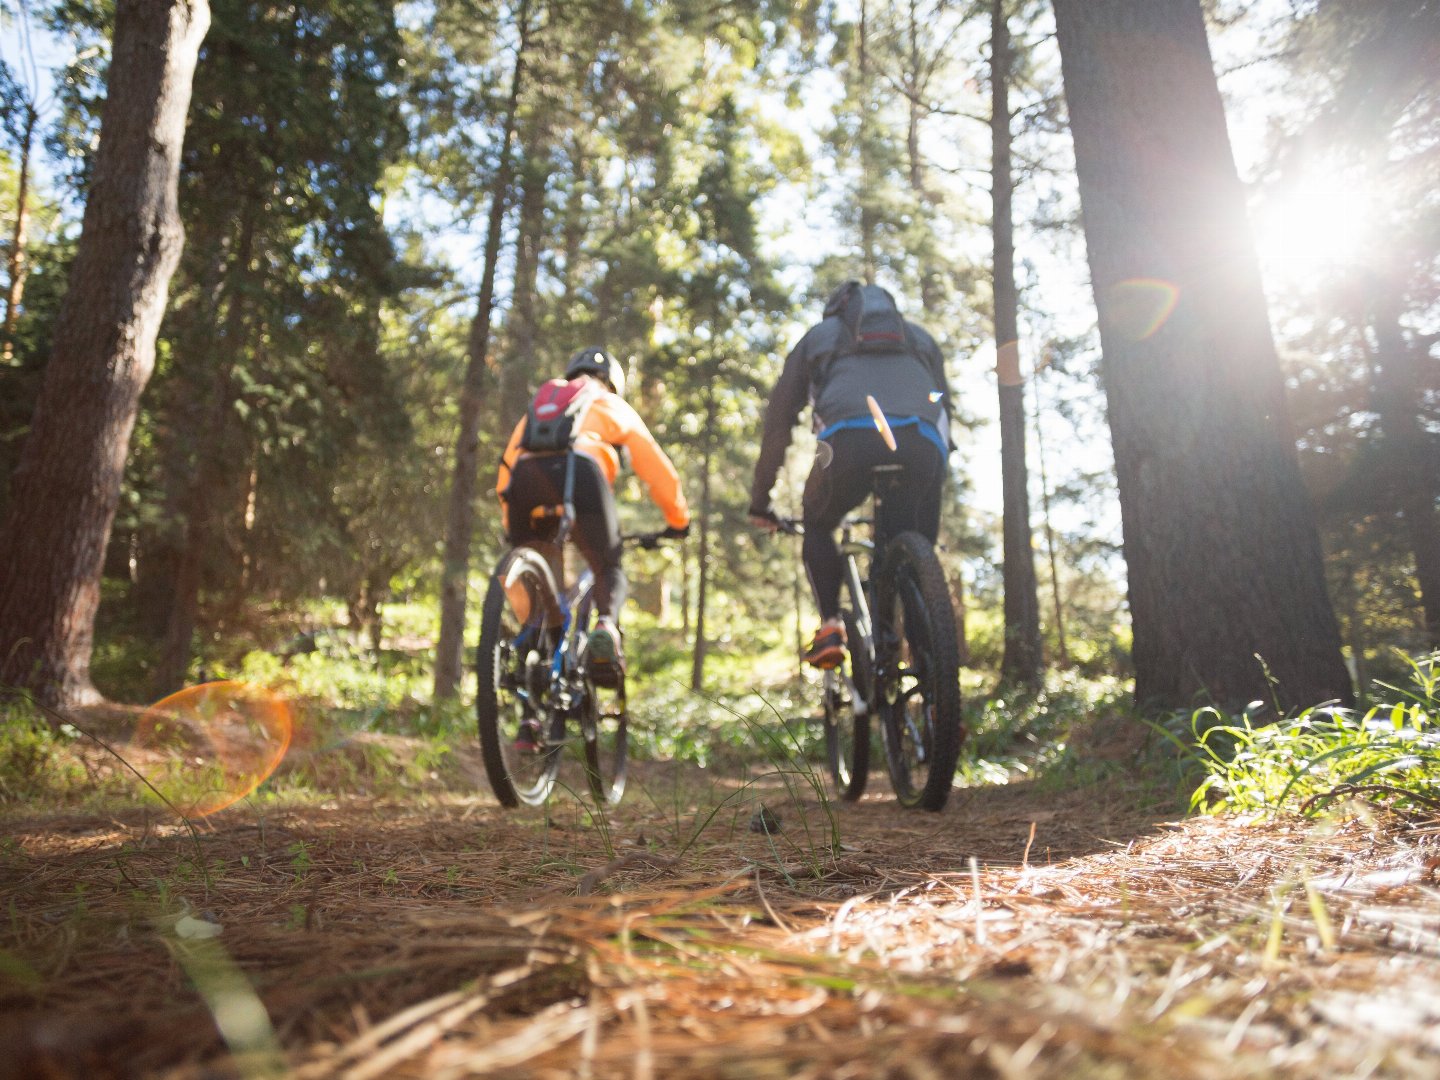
(1062, 651)
(867, 211)
(19, 237)
(67, 483)
(214, 462)
(931, 292)
(460, 521)
(1023, 659)
(1410, 471)
(521, 364)
(1219, 537)
(702, 588)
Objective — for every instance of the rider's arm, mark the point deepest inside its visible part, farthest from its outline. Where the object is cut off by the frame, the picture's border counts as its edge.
(789, 397)
(620, 425)
(930, 353)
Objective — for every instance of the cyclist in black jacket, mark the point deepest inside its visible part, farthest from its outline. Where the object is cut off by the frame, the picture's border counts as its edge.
(861, 351)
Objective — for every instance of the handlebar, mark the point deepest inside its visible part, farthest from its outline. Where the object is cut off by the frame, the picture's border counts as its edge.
(649, 541)
(789, 526)
(795, 527)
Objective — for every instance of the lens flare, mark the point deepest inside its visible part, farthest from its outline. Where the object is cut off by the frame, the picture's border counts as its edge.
(1139, 306)
(214, 744)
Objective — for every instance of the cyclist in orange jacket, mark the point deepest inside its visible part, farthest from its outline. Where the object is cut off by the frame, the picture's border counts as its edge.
(532, 482)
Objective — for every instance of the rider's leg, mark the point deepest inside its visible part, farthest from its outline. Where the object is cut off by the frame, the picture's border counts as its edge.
(832, 490)
(597, 535)
(536, 483)
(914, 504)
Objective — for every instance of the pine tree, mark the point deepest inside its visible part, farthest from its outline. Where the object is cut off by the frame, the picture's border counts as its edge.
(67, 482)
(1222, 554)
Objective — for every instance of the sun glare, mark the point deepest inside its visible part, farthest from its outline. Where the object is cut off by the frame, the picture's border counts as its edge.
(213, 744)
(1307, 231)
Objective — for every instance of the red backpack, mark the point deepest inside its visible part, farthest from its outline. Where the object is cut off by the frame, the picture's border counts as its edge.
(555, 413)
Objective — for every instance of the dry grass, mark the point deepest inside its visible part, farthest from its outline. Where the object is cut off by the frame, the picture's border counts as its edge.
(1023, 932)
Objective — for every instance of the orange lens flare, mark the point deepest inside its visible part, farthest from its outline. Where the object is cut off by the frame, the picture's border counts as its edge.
(1140, 306)
(214, 744)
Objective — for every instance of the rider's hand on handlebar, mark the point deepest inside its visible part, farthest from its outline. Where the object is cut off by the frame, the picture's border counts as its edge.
(675, 532)
(762, 517)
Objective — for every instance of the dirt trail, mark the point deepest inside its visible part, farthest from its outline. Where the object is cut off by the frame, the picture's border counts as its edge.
(445, 937)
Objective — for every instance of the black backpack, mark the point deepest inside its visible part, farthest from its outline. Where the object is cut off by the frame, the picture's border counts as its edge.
(875, 354)
(555, 413)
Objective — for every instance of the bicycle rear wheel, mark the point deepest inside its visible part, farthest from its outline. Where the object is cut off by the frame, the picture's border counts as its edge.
(847, 720)
(919, 700)
(604, 729)
(513, 664)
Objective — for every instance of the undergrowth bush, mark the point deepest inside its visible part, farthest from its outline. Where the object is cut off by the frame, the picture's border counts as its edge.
(1022, 734)
(1389, 752)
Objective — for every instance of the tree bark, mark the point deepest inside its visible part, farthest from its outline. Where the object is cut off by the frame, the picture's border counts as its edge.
(1062, 650)
(1219, 537)
(460, 521)
(702, 588)
(1411, 473)
(1023, 658)
(521, 364)
(67, 483)
(18, 265)
(931, 291)
(868, 223)
(215, 455)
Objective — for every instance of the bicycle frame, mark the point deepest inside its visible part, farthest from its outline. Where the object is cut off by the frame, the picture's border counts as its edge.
(862, 589)
(854, 548)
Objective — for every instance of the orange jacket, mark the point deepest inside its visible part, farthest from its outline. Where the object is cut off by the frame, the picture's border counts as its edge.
(610, 422)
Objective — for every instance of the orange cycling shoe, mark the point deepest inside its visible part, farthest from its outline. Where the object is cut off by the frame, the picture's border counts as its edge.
(827, 650)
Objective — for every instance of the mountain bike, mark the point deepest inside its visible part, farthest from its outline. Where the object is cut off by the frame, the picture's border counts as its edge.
(535, 684)
(902, 662)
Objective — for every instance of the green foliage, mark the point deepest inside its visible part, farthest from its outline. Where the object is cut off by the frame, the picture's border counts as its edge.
(1023, 735)
(35, 764)
(1306, 763)
(722, 726)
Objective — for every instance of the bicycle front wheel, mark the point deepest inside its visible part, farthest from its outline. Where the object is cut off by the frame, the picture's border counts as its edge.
(847, 721)
(919, 698)
(520, 733)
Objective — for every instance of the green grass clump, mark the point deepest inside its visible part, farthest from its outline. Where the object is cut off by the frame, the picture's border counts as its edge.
(1390, 753)
(36, 765)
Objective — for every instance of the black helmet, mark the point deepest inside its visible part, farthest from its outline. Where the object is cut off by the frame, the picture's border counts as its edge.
(594, 360)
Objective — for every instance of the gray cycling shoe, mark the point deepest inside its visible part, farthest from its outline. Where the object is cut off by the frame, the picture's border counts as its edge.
(604, 658)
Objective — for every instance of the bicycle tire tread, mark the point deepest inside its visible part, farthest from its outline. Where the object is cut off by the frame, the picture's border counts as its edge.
(947, 731)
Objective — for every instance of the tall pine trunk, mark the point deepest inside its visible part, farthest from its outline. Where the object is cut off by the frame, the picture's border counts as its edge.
(67, 482)
(1022, 660)
(702, 588)
(1062, 651)
(1220, 543)
(18, 266)
(868, 222)
(521, 362)
(212, 477)
(1412, 475)
(460, 520)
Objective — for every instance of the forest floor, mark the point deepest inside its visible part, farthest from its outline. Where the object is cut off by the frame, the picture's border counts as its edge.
(1028, 930)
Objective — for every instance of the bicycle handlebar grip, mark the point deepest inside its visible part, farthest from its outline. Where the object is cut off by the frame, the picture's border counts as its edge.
(790, 526)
